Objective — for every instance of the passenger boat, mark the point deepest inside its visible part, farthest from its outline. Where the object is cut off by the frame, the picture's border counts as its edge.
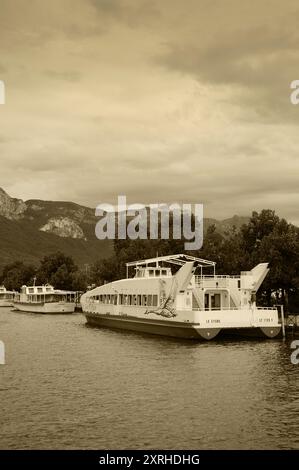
(6, 297)
(183, 304)
(45, 299)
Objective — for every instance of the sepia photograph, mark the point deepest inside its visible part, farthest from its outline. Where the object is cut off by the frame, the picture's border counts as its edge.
(149, 232)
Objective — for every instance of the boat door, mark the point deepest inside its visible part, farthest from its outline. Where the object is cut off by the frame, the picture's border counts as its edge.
(212, 301)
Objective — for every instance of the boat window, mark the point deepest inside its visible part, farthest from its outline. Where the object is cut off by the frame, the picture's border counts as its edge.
(239, 283)
(157, 272)
(39, 289)
(164, 272)
(134, 300)
(155, 300)
(31, 290)
(138, 299)
(144, 300)
(149, 300)
(151, 272)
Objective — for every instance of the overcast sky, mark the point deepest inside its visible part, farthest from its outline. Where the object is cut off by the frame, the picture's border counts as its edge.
(160, 100)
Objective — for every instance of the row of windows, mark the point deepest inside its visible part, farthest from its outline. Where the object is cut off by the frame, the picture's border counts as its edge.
(152, 272)
(48, 298)
(6, 296)
(127, 299)
(31, 290)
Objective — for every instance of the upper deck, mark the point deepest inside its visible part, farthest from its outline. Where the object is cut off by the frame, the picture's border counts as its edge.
(155, 267)
(150, 272)
(44, 289)
(3, 290)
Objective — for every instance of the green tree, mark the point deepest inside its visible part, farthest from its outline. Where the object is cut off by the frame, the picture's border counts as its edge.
(267, 238)
(17, 274)
(58, 270)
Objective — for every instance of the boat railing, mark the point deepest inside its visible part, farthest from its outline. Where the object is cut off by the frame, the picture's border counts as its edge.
(215, 309)
(266, 308)
(216, 281)
(194, 309)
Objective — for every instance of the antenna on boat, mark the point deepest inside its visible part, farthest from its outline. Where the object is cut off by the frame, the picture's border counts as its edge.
(34, 280)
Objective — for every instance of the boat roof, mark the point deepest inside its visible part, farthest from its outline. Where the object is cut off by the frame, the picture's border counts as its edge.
(59, 291)
(180, 260)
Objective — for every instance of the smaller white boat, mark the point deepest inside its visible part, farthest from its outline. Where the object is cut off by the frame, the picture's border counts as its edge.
(6, 297)
(45, 299)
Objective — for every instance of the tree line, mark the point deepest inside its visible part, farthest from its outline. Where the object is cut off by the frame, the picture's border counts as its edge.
(56, 269)
(265, 238)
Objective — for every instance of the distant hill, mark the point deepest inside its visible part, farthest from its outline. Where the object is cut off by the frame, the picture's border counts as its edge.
(224, 226)
(32, 229)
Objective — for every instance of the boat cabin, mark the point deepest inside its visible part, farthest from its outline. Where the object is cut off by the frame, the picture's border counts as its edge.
(5, 294)
(149, 272)
(45, 293)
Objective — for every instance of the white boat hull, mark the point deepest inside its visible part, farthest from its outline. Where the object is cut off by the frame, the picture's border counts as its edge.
(48, 307)
(204, 325)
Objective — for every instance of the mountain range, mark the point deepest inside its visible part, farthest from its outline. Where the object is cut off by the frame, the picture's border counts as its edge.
(32, 229)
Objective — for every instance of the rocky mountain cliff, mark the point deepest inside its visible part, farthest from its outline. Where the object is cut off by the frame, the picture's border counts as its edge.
(10, 207)
(32, 229)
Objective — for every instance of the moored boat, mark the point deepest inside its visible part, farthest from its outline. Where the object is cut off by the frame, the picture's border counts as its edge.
(45, 299)
(183, 304)
(6, 297)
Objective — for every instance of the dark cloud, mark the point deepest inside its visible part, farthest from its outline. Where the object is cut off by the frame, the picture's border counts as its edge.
(132, 13)
(160, 100)
(257, 59)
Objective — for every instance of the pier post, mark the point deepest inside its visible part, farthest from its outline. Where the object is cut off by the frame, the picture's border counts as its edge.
(282, 322)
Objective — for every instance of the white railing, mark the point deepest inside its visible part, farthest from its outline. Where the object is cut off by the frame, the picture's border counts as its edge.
(212, 309)
(213, 281)
(217, 276)
(266, 308)
(228, 308)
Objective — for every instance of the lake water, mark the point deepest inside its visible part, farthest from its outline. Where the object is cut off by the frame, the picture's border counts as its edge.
(68, 386)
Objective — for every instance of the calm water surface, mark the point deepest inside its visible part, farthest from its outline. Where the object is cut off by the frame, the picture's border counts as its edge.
(67, 386)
